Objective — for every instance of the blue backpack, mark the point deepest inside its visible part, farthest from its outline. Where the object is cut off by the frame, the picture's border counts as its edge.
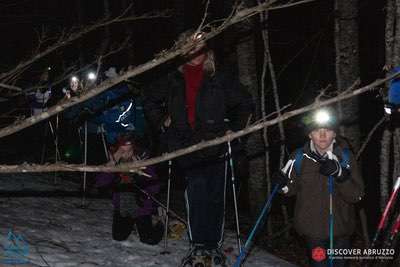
(345, 162)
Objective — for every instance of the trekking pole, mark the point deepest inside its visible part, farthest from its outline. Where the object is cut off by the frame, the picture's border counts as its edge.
(167, 211)
(393, 233)
(84, 162)
(55, 140)
(260, 219)
(330, 217)
(385, 214)
(239, 243)
(54, 132)
(44, 146)
(330, 189)
(104, 142)
(160, 204)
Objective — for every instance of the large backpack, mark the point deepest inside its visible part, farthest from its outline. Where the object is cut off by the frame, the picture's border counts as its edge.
(345, 162)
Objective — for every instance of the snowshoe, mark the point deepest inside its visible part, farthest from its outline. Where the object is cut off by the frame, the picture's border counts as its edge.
(217, 258)
(197, 257)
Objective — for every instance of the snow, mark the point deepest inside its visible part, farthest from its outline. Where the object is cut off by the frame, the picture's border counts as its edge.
(59, 232)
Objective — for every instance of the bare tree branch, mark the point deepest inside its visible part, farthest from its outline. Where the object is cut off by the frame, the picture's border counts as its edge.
(66, 39)
(137, 166)
(364, 145)
(10, 87)
(291, 4)
(162, 58)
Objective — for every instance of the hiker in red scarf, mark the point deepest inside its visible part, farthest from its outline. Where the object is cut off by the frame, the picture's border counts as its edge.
(199, 102)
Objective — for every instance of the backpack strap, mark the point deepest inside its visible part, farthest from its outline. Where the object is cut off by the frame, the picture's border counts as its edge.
(298, 160)
(345, 162)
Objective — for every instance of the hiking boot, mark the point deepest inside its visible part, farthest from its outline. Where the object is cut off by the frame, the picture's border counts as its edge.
(148, 233)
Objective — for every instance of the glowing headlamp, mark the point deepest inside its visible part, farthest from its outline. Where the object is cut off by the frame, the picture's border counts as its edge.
(198, 36)
(322, 117)
(91, 76)
(74, 79)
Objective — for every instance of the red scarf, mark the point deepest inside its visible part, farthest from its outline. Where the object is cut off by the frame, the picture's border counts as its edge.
(193, 78)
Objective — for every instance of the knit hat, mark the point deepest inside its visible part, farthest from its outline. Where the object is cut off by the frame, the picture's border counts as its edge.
(111, 73)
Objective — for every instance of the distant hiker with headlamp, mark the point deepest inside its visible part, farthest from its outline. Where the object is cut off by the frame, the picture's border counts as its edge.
(326, 180)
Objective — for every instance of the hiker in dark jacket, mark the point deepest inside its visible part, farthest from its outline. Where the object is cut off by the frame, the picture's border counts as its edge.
(306, 176)
(197, 103)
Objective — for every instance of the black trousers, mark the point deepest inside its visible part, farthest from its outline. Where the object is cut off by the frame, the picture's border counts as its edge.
(313, 246)
(121, 226)
(205, 203)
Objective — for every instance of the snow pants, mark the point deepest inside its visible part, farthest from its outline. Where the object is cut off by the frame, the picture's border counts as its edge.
(205, 203)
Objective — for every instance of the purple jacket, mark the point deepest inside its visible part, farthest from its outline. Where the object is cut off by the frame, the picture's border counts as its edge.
(149, 184)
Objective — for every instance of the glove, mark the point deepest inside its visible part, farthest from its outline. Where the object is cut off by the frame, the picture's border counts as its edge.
(279, 178)
(330, 167)
(346, 174)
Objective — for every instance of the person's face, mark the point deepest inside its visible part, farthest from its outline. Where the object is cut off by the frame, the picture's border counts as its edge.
(322, 138)
(197, 55)
(45, 76)
(126, 151)
(74, 83)
(126, 148)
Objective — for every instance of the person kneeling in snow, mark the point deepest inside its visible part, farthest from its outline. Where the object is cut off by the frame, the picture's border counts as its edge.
(132, 206)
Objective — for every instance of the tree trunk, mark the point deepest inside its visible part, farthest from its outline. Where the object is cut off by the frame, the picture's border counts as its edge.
(347, 65)
(384, 164)
(179, 15)
(389, 32)
(80, 14)
(129, 30)
(246, 54)
(106, 39)
(268, 63)
(347, 72)
(396, 35)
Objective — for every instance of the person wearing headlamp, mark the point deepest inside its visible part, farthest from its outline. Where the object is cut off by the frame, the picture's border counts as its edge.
(73, 89)
(199, 102)
(325, 178)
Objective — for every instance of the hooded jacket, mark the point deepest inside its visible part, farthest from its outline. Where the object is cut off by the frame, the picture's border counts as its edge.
(311, 215)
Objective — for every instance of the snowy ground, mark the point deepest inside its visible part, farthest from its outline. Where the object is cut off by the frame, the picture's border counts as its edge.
(59, 232)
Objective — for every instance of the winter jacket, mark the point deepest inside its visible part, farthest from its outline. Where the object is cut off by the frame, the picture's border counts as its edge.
(38, 100)
(151, 185)
(221, 105)
(311, 217)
